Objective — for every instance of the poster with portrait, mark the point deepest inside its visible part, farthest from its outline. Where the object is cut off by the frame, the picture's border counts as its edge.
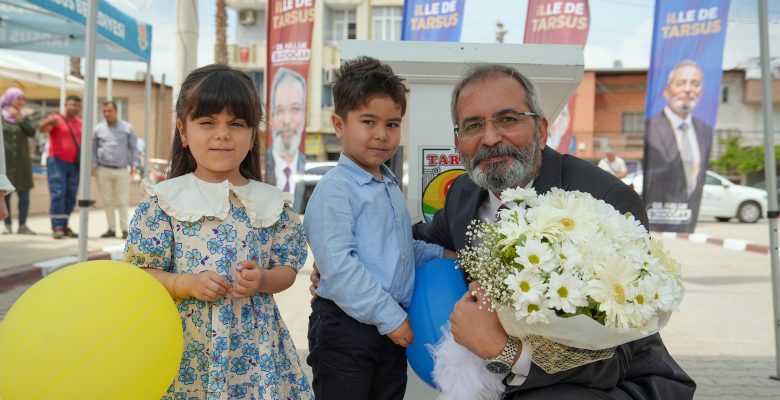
(559, 22)
(432, 20)
(290, 24)
(683, 86)
(440, 166)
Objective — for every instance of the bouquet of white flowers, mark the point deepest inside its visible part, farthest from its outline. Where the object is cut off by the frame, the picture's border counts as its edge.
(571, 276)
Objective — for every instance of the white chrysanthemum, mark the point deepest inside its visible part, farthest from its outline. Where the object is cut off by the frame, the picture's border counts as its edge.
(534, 313)
(565, 292)
(669, 294)
(567, 217)
(644, 302)
(519, 195)
(670, 265)
(527, 286)
(612, 288)
(629, 232)
(510, 230)
(535, 253)
(571, 258)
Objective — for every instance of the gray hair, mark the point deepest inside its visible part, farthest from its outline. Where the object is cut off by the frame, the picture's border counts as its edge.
(482, 71)
(681, 64)
(285, 74)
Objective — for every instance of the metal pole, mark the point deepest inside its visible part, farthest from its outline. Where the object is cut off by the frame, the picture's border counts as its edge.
(148, 113)
(110, 85)
(86, 133)
(769, 171)
(64, 82)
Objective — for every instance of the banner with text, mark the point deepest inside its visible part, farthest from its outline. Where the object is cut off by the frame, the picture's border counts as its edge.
(683, 87)
(290, 24)
(559, 22)
(432, 20)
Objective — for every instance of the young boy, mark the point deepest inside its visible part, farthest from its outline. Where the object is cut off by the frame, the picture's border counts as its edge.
(360, 232)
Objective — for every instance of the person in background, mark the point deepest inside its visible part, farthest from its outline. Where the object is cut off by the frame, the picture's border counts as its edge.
(17, 129)
(613, 164)
(114, 148)
(62, 166)
(6, 187)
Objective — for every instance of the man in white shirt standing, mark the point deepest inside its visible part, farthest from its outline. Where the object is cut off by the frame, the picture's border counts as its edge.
(613, 164)
(114, 148)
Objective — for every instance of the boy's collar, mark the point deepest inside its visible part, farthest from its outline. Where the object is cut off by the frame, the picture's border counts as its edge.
(361, 176)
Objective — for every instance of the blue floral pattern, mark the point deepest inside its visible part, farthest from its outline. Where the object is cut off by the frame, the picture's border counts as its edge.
(233, 348)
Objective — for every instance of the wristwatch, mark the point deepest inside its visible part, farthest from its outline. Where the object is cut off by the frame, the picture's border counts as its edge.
(502, 363)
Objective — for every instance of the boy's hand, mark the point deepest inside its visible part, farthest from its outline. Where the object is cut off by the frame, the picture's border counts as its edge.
(450, 254)
(403, 335)
(248, 279)
(315, 281)
(208, 286)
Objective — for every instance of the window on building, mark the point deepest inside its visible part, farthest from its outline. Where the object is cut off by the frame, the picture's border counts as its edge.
(342, 25)
(327, 88)
(724, 94)
(387, 23)
(633, 123)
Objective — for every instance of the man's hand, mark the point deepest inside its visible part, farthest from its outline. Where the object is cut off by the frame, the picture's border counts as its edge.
(403, 335)
(475, 326)
(207, 286)
(315, 281)
(248, 279)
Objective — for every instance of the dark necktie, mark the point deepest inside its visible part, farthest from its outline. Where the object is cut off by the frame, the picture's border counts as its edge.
(287, 172)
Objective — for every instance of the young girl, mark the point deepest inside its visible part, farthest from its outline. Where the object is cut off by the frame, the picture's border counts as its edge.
(222, 244)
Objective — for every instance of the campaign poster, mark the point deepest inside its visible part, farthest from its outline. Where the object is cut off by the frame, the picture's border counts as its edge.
(290, 24)
(440, 167)
(432, 20)
(559, 22)
(683, 86)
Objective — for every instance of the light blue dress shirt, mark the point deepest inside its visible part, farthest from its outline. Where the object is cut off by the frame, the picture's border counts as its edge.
(360, 233)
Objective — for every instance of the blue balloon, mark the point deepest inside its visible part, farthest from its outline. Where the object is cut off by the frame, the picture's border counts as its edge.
(438, 285)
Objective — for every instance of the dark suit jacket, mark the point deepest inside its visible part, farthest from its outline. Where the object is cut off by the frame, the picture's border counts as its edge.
(300, 187)
(664, 174)
(642, 369)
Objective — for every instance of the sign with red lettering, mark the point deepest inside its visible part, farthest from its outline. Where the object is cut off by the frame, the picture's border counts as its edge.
(440, 167)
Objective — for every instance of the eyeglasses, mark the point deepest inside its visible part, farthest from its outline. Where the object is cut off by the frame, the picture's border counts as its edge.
(502, 123)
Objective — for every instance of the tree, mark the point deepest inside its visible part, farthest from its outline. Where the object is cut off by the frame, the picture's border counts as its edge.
(221, 56)
(740, 160)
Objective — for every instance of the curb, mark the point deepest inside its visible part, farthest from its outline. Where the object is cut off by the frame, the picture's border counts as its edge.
(28, 274)
(731, 244)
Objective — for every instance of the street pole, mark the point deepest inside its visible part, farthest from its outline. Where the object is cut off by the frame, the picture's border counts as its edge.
(186, 50)
(769, 172)
(148, 113)
(86, 133)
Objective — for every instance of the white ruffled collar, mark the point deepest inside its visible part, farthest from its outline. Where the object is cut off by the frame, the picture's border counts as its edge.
(188, 198)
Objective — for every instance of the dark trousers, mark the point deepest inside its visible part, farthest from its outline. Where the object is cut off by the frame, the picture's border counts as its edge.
(63, 179)
(23, 206)
(351, 360)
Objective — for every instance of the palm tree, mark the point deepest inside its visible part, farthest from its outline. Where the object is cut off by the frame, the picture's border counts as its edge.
(221, 56)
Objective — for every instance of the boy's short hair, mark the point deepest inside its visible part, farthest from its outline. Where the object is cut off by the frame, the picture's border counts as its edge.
(358, 80)
(73, 97)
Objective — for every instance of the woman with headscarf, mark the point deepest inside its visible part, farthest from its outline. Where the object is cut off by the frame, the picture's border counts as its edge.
(17, 128)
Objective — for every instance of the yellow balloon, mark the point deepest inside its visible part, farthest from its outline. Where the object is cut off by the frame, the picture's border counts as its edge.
(94, 330)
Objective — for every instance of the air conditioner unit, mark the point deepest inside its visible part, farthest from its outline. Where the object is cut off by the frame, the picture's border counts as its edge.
(247, 16)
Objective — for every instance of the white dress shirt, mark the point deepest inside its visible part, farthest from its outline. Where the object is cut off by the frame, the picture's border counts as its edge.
(688, 135)
(280, 165)
(487, 212)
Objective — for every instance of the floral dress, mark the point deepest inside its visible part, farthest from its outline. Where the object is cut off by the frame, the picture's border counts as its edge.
(233, 348)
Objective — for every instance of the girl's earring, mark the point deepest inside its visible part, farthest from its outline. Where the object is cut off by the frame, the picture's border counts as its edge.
(184, 145)
(251, 148)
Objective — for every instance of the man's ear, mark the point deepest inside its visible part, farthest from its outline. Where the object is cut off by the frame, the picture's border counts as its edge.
(338, 125)
(543, 132)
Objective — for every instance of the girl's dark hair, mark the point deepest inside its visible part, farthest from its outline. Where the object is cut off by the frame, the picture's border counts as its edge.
(206, 91)
(359, 80)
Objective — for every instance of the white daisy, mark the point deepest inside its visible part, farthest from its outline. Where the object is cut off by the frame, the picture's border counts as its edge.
(644, 302)
(570, 256)
(535, 253)
(526, 286)
(566, 293)
(534, 313)
(613, 287)
(519, 195)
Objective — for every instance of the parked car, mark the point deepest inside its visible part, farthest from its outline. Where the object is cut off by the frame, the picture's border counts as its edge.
(312, 174)
(721, 198)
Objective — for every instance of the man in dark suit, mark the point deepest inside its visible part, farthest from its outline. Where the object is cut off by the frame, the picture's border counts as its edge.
(500, 135)
(677, 148)
(284, 163)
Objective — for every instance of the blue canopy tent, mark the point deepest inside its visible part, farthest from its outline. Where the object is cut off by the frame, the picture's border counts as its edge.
(90, 29)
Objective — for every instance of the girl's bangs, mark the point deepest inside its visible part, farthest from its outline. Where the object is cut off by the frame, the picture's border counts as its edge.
(225, 89)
